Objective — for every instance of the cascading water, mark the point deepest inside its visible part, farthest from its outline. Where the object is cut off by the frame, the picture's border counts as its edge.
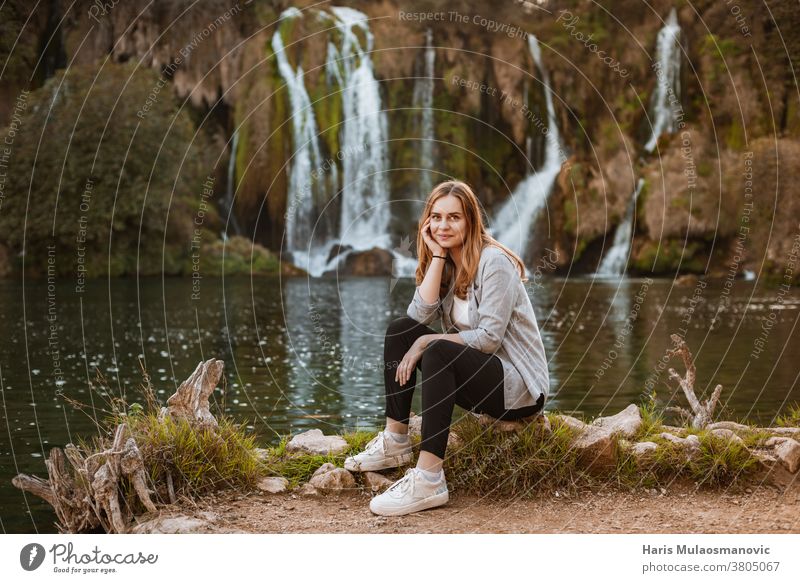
(230, 187)
(665, 102)
(616, 260)
(365, 211)
(423, 102)
(307, 157)
(514, 221)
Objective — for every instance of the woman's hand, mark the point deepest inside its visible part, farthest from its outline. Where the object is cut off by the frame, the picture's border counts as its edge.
(434, 247)
(410, 360)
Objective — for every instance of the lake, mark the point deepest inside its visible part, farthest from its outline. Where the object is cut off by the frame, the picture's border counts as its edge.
(302, 354)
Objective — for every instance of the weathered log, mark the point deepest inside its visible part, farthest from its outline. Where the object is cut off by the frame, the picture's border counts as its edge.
(105, 484)
(86, 495)
(132, 465)
(190, 401)
(71, 501)
(702, 413)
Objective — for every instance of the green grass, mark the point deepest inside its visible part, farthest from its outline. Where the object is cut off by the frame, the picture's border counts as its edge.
(520, 464)
(487, 462)
(512, 464)
(299, 467)
(791, 418)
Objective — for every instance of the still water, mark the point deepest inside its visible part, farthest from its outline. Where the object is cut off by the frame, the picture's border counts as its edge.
(302, 354)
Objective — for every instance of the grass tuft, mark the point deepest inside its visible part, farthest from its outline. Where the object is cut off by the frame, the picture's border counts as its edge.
(791, 418)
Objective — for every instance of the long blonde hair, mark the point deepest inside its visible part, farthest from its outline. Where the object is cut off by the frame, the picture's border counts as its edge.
(475, 239)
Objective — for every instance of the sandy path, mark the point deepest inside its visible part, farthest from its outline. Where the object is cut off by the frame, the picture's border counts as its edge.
(681, 509)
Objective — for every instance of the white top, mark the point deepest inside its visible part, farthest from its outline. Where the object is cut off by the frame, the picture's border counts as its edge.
(460, 313)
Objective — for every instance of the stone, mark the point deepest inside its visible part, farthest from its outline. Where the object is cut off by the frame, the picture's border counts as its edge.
(273, 484)
(788, 453)
(679, 431)
(594, 444)
(575, 424)
(727, 434)
(626, 423)
(261, 454)
(308, 490)
(731, 425)
(505, 426)
(375, 261)
(595, 448)
(690, 443)
(693, 441)
(179, 524)
(644, 451)
(313, 441)
(328, 478)
(772, 470)
(793, 432)
(376, 482)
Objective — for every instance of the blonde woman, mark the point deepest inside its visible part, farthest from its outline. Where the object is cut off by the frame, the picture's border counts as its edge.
(489, 360)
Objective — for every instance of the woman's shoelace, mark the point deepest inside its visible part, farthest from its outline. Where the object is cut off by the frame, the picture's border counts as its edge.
(403, 483)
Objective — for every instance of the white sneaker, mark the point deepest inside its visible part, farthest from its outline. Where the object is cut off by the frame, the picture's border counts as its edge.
(381, 453)
(411, 493)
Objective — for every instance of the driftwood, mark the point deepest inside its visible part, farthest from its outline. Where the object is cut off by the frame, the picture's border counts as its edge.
(701, 413)
(190, 401)
(86, 493)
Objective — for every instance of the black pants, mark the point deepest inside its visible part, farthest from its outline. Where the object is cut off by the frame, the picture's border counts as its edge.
(452, 374)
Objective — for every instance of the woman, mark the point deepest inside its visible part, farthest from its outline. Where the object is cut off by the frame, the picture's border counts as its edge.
(490, 359)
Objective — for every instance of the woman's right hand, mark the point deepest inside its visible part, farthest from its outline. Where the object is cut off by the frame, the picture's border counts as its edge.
(433, 246)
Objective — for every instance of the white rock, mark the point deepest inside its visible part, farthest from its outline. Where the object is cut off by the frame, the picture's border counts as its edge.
(308, 490)
(727, 434)
(793, 432)
(262, 454)
(693, 440)
(175, 525)
(273, 484)
(627, 422)
(329, 478)
(772, 470)
(313, 441)
(731, 425)
(644, 450)
(690, 443)
(788, 452)
(594, 445)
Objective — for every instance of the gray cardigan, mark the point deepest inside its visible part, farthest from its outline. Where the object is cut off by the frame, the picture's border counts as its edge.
(502, 323)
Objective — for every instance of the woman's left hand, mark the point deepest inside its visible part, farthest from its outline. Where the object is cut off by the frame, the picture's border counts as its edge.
(409, 362)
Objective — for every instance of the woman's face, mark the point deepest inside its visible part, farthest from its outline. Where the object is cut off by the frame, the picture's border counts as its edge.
(448, 223)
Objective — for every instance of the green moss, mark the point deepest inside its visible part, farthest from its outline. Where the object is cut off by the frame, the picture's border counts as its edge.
(735, 137)
(671, 256)
(705, 168)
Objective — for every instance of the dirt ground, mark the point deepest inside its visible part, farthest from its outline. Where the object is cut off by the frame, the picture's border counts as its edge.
(677, 510)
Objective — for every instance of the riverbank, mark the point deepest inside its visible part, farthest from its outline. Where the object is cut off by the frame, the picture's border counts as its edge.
(500, 473)
(679, 509)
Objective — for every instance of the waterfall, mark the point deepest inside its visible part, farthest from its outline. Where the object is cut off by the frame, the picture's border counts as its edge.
(515, 220)
(665, 102)
(616, 260)
(423, 101)
(307, 157)
(230, 187)
(365, 211)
